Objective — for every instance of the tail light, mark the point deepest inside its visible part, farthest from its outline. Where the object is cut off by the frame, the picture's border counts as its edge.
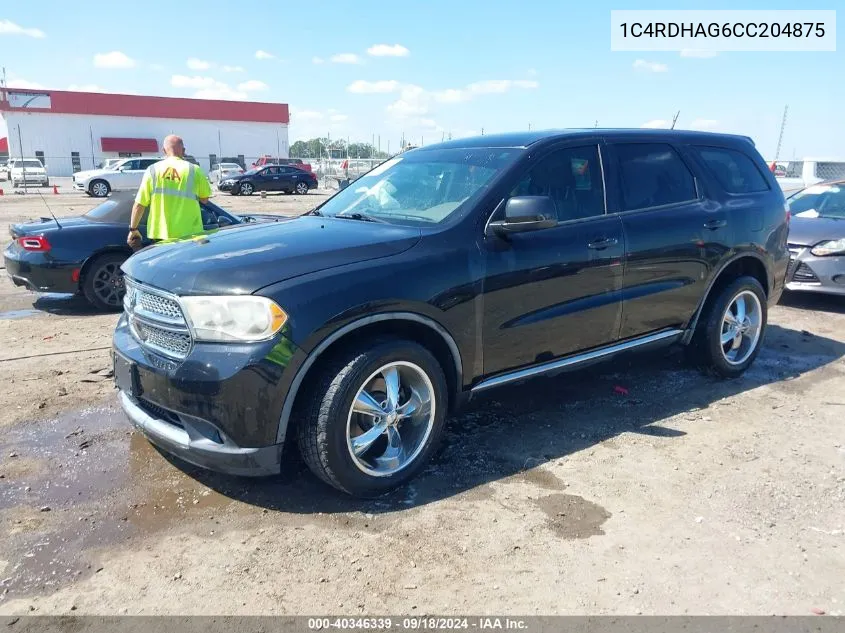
(34, 243)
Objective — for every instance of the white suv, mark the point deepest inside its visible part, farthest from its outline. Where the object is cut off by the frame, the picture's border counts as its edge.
(27, 170)
(123, 176)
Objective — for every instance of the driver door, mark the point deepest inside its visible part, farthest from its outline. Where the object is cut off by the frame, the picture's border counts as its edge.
(122, 179)
(557, 291)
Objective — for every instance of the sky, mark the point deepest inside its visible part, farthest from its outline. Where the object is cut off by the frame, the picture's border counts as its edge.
(378, 70)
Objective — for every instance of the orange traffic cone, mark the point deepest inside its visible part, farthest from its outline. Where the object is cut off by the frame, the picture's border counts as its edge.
(55, 189)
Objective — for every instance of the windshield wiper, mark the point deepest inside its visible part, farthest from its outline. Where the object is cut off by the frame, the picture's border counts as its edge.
(357, 215)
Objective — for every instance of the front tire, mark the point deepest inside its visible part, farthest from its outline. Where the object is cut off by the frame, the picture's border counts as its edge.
(103, 284)
(729, 334)
(374, 417)
(99, 188)
(246, 189)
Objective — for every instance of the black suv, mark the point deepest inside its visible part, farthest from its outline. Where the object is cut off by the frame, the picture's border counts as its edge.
(354, 329)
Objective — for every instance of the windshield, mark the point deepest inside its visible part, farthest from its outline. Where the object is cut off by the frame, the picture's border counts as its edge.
(819, 201)
(28, 163)
(422, 187)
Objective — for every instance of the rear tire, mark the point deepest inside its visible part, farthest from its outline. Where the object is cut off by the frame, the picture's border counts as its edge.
(729, 334)
(301, 188)
(103, 285)
(377, 446)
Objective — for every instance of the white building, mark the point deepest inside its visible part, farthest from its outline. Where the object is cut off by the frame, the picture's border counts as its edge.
(72, 131)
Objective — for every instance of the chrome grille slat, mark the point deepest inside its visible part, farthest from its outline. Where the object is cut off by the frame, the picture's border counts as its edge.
(156, 320)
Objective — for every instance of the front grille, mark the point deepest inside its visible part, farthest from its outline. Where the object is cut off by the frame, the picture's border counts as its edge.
(804, 274)
(159, 306)
(160, 412)
(172, 343)
(157, 321)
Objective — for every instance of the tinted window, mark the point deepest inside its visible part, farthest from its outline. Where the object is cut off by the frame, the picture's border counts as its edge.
(130, 164)
(271, 171)
(147, 162)
(653, 175)
(572, 178)
(116, 210)
(735, 171)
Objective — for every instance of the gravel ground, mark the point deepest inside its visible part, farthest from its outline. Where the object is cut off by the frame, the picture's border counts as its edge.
(638, 487)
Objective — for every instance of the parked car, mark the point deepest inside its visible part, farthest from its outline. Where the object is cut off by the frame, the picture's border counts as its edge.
(222, 171)
(83, 254)
(817, 239)
(447, 271)
(192, 159)
(270, 178)
(123, 176)
(810, 171)
(4, 168)
(294, 162)
(28, 171)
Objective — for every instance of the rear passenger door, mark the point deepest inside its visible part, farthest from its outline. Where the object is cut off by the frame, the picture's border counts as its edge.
(674, 235)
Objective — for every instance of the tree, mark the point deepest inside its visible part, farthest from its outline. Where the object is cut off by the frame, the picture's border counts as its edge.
(326, 148)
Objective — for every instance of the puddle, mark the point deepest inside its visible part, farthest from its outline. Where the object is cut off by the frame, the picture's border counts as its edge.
(83, 481)
(572, 517)
(18, 314)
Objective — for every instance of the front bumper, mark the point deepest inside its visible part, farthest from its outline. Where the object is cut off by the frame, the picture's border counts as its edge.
(31, 180)
(219, 408)
(186, 440)
(808, 273)
(225, 186)
(38, 273)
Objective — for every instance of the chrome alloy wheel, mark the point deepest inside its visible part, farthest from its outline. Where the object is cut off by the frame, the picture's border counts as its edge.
(391, 419)
(301, 188)
(741, 327)
(100, 189)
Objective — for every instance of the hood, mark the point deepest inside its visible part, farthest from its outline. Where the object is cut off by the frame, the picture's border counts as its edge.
(85, 175)
(811, 231)
(29, 170)
(257, 255)
(91, 172)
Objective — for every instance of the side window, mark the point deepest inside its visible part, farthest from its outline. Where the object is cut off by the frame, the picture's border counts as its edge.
(144, 164)
(735, 171)
(572, 178)
(131, 165)
(653, 175)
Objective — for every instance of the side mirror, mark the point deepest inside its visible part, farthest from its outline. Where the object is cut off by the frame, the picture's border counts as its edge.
(223, 221)
(526, 213)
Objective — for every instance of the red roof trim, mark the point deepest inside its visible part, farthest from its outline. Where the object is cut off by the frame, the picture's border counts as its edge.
(63, 102)
(113, 144)
(4, 145)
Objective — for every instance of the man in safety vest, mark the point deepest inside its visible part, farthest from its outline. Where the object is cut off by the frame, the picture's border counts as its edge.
(172, 189)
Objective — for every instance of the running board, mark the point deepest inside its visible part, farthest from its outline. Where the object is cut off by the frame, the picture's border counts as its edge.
(578, 359)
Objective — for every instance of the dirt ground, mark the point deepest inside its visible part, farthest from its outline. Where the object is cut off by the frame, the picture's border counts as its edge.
(638, 487)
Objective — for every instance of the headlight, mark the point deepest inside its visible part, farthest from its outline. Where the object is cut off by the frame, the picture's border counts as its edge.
(233, 318)
(831, 247)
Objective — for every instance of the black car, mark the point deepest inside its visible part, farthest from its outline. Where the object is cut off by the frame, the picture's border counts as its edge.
(449, 270)
(270, 178)
(83, 254)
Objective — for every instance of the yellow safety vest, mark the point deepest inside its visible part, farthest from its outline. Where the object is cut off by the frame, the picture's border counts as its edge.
(170, 189)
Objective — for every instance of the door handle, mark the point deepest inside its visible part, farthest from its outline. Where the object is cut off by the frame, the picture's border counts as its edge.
(715, 224)
(602, 243)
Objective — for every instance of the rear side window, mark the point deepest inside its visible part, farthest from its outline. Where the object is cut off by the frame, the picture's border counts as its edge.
(653, 175)
(734, 171)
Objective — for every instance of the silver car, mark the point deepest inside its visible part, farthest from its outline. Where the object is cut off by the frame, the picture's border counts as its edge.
(817, 239)
(221, 171)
